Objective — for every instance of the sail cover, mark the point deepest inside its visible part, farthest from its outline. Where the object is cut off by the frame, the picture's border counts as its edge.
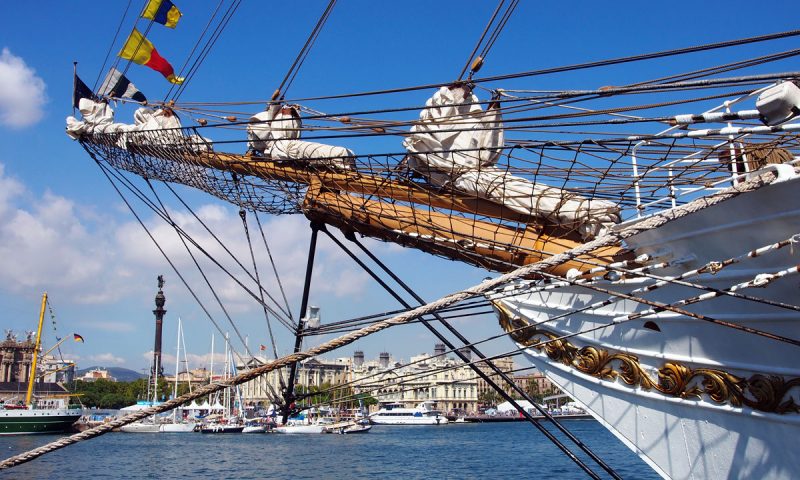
(275, 133)
(159, 126)
(456, 144)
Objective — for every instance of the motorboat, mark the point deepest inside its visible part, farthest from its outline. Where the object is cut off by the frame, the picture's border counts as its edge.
(424, 413)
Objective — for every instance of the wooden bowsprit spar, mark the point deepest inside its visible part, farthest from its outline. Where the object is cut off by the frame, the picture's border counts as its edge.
(447, 223)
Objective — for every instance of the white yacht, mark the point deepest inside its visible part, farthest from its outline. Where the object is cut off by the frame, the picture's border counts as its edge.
(302, 425)
(424, 413)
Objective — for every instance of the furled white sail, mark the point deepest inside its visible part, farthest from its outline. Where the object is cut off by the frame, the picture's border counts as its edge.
(275, 132)
(152, 126)
(456, 144)
(97, 117)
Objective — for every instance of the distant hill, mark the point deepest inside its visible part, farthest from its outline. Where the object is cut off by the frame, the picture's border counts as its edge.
(121, 374)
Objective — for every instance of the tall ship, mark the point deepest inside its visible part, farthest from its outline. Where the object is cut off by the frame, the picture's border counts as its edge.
(40, 412)
(645, 233)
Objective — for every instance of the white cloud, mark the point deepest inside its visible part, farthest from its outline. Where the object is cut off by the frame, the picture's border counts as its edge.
(106, 359)
(46, 244)
(288, 241)
(22, 93)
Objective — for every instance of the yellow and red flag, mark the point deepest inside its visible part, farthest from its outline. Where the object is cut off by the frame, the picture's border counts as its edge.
(140, 50)
(162, 11)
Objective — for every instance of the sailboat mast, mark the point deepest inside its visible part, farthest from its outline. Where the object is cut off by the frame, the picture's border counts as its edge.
(177, 360)
(32, 373)
(211, 371)
(227, 392)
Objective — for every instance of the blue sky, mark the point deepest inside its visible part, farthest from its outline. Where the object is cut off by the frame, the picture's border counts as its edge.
(63, 228)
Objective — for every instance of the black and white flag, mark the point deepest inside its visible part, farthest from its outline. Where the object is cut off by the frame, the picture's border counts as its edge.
(116, 85)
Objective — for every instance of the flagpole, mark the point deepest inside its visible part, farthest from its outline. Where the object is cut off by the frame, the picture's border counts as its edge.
(74, 84)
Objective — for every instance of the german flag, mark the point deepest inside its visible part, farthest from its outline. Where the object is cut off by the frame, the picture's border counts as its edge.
(77, 337)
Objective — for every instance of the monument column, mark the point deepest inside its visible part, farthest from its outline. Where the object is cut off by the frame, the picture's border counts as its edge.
(159, 313)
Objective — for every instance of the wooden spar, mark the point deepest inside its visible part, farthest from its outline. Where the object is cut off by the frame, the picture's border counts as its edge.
(355, 182)
(488, 245)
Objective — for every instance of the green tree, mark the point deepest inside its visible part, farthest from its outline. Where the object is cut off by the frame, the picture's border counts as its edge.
(490, 398)
(534, 391)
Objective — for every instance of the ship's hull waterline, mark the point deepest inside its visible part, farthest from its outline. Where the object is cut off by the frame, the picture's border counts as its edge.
(21, 422)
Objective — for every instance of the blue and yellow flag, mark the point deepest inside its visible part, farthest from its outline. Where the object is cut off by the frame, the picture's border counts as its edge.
(162, 11)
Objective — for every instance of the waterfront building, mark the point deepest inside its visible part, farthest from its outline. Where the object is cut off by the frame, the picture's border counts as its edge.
(486, 393)
(445, 380)
(536, 385)
(310, 372)
(56, 370)
(195, 376)
(16, 357)
(96, 374)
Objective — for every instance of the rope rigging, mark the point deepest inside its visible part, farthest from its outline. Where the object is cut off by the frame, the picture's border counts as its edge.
(110, 176)
(487, 286)
(283, 87)
(111, 46)
(554, 138)
(566, 68)
(205, 50)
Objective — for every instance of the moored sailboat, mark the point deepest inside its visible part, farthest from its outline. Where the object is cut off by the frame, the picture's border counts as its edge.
(176, 424)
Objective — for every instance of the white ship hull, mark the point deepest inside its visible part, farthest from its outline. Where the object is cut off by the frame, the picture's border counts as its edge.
(255, 429)
(139, 427)
(694, 399)
(290, 429)
(382, 420)
(395, 414)
(177, 427)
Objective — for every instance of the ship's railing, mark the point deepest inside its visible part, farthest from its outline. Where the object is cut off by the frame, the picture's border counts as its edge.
(737, 158)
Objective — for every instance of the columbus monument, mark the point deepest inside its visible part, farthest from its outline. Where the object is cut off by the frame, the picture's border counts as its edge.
(159, 313)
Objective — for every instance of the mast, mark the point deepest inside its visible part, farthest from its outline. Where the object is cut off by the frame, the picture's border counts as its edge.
(177, 360)
(227, 392)
(32, 373)
(211, 371)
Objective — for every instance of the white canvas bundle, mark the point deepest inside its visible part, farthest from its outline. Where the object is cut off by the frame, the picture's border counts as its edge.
(275, 133)
(451, 120)
(157, 127)
(275, 123)
(313, 153)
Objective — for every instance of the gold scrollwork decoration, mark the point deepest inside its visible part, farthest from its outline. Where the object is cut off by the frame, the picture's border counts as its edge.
(766, 393)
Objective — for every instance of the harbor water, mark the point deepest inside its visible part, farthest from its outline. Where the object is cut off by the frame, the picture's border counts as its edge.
(481, 451)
